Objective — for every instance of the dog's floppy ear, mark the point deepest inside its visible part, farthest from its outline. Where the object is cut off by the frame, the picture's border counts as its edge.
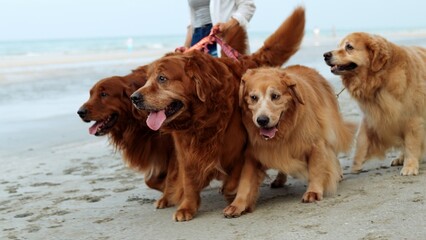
(129, 90)
(205, 71)
(121, 83)
(193, 71)
(292, 87)
(241, 92)
(135, 80)
(380, 52)
(200, 90)
(242, 89)
(295, 94)
(130, 86)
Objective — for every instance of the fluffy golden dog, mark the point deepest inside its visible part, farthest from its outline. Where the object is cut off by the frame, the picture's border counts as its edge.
(294, 125)
(389, 83)
(194, 97)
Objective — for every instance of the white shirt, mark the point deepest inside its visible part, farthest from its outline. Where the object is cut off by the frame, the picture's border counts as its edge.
(240, 10)
(201, 11)
(223, 10)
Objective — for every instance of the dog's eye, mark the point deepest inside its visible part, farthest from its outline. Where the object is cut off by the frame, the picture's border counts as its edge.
(349, 47)
(103, 94)
(161, 78)
(253, 98)
(275, 96)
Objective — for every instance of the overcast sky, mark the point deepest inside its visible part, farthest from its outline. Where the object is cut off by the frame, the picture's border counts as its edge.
(45, 19)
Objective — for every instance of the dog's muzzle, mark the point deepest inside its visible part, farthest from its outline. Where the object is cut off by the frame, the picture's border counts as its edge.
(328, 56)
(137, 100)
(263, 121)
(83, 113)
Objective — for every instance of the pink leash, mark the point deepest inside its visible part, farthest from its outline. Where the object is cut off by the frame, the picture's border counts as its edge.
(212, 38)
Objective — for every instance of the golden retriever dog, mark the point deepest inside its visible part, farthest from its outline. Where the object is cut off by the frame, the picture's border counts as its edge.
(147, 151)
(389, 84)
(143, 149)
(294, 125)
(194, 97)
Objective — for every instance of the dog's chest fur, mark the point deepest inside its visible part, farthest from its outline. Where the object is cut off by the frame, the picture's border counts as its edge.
(279, 154)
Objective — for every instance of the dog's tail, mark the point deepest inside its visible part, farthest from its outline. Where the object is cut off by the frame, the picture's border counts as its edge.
(237, 38)
(346, 133)
(284, 42)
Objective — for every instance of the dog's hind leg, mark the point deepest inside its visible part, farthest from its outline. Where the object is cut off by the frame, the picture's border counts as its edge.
(230, 183)
(413, 140)
(362, 145)
(173, 191)
(279, 180)
(399, 161)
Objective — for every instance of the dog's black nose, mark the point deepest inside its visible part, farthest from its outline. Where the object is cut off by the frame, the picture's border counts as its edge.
(327, 55)
(82, 112)
(262, 120)
(136, 98)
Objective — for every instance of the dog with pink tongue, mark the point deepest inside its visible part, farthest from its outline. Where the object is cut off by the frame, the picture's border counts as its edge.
(156, 119)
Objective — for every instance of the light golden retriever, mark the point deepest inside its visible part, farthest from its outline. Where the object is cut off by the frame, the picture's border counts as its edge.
(294, 125)
(389, 83)
(194, 97)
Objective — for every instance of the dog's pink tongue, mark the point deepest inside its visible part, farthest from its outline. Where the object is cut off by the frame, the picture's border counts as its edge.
(156, 119)
(94, 128)
(270, 132)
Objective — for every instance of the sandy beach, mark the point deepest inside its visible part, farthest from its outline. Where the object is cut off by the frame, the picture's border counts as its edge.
(58, 182)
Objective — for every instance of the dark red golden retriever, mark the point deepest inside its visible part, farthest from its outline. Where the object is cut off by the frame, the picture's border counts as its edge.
(143, 149)
(194, 97)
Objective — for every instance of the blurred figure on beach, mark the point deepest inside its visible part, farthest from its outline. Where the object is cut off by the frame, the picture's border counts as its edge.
(129, 44)
(225, 14)
(316, 36)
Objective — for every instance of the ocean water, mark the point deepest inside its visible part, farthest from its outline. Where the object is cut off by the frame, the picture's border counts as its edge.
(113, 44)
(84, 46)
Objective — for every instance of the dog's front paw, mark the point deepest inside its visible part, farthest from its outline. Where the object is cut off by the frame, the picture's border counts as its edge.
(408, 170)
(356, 168)
(398, 161)
(233, 211)
(162, 203)
(310, 197)
(182, 215)
(411, 167)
